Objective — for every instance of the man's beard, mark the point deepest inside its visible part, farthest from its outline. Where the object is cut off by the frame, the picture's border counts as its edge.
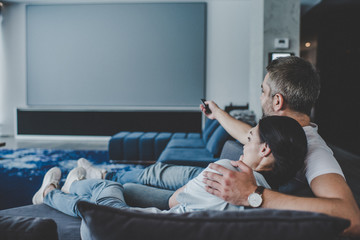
(267, 110)
(263, 113)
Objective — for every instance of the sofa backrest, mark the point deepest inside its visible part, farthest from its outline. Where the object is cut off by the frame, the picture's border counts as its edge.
(209, 129)
(217, 141)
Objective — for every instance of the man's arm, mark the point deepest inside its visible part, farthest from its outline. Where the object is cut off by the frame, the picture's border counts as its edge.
(236, 128)
(333, 196)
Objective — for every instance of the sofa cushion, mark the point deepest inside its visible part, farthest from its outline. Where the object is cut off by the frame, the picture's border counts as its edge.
(131, 145)
(161, 141)
(116, 148)
(217, 141)
(208, 121)
(110, 223)
(209, 130)
(193, 135)
(146, 146)
(178, 135)
(186, 143)
(27, 228)
(199, 157)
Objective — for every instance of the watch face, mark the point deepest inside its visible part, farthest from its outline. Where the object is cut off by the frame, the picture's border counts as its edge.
(255, 200)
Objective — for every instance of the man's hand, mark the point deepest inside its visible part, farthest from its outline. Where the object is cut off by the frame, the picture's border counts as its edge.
(213, 108)
(232, 186)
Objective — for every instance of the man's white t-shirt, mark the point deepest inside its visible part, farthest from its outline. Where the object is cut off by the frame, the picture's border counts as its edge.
(319, 158)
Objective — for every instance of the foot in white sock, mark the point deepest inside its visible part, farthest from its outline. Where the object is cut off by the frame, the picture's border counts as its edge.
(91, 171)
(76, 174)
(52, 177)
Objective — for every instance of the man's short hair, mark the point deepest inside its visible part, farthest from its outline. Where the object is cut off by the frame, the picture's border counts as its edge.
(296, 80)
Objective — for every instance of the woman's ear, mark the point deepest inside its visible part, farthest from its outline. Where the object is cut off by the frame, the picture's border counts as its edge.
(265, 150)
(267, 160)
(278, 102)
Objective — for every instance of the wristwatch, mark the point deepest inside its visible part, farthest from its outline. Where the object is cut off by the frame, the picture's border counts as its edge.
(255, 199)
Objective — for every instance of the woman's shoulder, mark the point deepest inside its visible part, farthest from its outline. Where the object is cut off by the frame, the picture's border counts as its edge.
(226, 163)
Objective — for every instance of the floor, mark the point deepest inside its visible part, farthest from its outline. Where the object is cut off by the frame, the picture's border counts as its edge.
(65, 144)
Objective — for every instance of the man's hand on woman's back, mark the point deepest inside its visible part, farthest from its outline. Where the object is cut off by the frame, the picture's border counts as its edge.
(232, 186)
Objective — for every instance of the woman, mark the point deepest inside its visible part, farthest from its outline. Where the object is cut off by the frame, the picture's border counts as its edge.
(275, 150)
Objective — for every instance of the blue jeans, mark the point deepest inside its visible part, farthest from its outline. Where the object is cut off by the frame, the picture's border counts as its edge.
(160, 175)
(98, 191)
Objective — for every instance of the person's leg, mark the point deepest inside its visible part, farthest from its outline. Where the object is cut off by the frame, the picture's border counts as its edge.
(96, 191)
(64, 202)
(101, 192)
(159, 175)
(51, 181)
(168, 176)
(125, 177)
(120, 177)
(137, 195)
(91, 171)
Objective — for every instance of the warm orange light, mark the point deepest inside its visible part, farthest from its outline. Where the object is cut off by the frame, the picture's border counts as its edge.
(307, 44)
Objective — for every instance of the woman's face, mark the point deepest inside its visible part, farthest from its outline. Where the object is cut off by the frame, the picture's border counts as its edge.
(252, 147)
(253, 154)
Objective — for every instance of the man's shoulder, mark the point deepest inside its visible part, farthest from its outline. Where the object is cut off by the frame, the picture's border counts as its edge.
(316, 144)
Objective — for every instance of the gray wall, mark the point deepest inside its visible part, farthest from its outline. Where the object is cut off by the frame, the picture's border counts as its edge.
(281, 19)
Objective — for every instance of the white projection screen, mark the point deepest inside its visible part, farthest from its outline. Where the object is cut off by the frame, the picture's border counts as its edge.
(123, 54)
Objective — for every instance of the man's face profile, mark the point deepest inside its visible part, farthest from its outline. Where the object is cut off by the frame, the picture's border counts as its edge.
(266, 99)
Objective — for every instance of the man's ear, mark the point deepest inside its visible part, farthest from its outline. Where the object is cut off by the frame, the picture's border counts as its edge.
(265, 150)
(278, 102)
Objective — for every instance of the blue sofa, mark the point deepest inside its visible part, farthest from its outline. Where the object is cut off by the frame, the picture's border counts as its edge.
(177, 148)
(197, 151)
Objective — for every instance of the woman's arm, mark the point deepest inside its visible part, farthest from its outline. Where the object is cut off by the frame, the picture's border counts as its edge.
(172, 200)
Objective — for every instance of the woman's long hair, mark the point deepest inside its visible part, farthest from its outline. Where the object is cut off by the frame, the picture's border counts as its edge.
(288, 144)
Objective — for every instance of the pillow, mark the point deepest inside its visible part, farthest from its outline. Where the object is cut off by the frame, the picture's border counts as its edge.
(102, 222)
(26, 228)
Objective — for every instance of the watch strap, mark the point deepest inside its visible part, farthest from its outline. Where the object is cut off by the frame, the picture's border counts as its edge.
(260, 190)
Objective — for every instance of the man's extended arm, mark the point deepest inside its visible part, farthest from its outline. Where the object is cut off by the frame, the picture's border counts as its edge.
(333, 196)
(237, 129)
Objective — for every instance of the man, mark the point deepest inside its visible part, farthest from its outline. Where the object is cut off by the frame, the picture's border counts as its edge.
(290, 88)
